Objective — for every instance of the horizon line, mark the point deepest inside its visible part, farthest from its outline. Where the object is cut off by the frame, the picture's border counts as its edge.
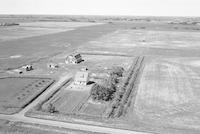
(164, 16)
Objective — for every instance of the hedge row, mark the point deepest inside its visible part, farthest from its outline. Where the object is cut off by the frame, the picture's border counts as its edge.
(120, 102)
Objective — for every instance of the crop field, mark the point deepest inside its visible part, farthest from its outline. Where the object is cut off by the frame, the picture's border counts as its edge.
(17, 92)
(30, 29)
(168, 93)
(147, 42)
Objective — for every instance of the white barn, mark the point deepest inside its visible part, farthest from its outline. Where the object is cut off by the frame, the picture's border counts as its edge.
(74, 58)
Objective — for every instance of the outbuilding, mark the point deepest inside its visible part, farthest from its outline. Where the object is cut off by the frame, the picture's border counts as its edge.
(52, 65)
(28, 67)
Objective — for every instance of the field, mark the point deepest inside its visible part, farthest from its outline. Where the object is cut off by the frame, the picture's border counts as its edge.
(169, 93)
(30, 29)
(17, 92)
(148, 42)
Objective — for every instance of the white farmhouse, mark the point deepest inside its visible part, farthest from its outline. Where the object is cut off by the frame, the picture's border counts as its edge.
(81, 78)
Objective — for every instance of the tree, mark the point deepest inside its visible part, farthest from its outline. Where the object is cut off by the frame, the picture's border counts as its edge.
(51, 108)
(105, 91)
(117, 70)
(101, 93)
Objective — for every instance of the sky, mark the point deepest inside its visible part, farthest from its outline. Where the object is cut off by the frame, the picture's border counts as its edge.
(102, 7)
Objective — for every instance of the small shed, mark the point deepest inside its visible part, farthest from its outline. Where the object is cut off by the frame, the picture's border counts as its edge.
(52, 65)
(28, 67)
(81, 78)
(74, 58)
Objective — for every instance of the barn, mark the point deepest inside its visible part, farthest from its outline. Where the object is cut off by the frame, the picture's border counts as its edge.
(74, 58)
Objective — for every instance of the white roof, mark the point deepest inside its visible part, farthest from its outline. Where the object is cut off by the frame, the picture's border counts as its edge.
(81, 76)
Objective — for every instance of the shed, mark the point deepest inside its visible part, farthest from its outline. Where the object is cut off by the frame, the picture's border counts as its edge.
(28, 67)
(52, 65)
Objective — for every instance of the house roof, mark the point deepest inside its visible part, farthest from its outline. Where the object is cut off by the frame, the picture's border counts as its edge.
(81, 76)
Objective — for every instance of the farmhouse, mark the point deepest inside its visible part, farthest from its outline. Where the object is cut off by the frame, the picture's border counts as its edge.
(81, 78)
(74, 58)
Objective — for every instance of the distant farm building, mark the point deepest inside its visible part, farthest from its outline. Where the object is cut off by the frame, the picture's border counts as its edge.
(74, 58)
(52, 65)
(81, 78)
(8, 24)
(28, 67)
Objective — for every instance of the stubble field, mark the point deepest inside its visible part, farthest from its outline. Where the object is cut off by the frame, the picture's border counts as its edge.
(169, 92)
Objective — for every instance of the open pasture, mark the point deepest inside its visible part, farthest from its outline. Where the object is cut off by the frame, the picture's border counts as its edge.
(17, 92)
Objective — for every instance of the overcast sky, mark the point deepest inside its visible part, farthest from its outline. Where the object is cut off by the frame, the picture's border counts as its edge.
(102, 7)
